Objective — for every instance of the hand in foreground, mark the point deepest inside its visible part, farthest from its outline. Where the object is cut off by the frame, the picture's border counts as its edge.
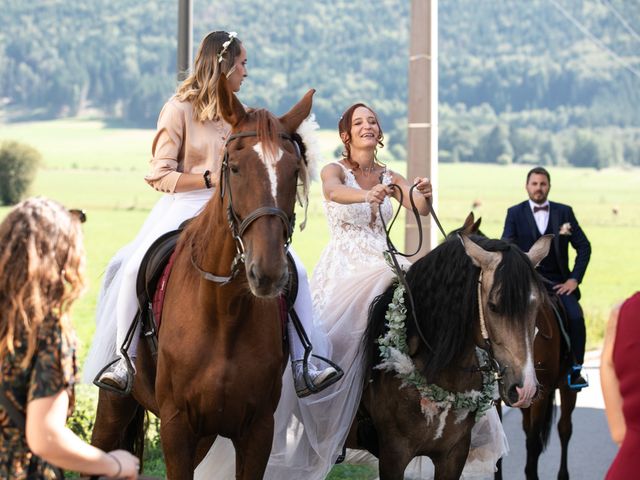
(423, 186)
(567, 287)
(376, 195)
(127, 465)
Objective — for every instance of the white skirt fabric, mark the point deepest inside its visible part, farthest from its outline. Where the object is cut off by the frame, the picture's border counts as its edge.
(117, 295)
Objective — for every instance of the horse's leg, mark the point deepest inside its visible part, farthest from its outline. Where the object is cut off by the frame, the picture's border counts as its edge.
(394, 457)
(565, 428)
(498, 474)
(536, 424)
(204, 445)
(178, 445)
(449, 465)
(119, 422)
(253, 448)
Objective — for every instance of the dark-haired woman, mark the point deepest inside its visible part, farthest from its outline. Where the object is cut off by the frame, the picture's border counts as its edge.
(41, 274)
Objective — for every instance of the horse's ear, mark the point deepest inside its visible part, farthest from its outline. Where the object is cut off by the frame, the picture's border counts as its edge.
(229, 106)
(467, 226)
(479, 256)
(540, 249)
(301, 110)
(476, 225)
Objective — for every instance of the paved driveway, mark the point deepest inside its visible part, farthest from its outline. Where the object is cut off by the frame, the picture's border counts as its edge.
(591, 449)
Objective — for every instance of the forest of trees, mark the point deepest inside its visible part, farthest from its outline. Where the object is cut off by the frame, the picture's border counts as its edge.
(519, 82)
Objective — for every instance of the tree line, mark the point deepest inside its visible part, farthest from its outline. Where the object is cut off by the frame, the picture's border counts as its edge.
(518, 82)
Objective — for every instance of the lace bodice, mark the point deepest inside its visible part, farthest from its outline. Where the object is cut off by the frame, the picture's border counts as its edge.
(353, 224)
(357, 240)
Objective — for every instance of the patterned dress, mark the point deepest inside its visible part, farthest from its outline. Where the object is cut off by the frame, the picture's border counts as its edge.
(52, 368)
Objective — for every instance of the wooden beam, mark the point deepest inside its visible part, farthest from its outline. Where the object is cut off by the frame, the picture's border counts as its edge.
(422, 138)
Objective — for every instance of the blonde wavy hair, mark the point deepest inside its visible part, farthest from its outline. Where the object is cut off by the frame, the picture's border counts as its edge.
(42, 261)
(199, 87)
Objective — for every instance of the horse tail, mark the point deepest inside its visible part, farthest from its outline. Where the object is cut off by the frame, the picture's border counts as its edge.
(548, 420)
(134, 434)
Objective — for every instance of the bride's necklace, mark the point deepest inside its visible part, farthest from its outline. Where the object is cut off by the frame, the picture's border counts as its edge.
(367, 170)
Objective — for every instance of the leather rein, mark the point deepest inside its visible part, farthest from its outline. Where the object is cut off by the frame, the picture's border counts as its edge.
(493, 366)
(238, 227)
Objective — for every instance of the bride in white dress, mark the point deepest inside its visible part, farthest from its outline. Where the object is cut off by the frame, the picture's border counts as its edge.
(311, 432)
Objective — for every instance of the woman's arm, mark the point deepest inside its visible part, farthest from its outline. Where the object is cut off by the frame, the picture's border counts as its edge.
(609, 382)
(190, 181)
(421, 193)
(165, 150)
(49, 438)
(335, 190)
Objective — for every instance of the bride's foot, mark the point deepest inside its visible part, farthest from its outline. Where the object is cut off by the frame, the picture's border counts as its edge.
(320, 379)
(116, 376)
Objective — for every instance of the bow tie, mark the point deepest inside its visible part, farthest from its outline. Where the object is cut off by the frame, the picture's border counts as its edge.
(544, 208)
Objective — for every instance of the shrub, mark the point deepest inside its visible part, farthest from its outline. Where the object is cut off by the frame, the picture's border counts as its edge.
(18, 166)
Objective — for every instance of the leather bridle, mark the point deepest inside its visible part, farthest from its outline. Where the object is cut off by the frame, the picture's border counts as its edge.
(237, 226)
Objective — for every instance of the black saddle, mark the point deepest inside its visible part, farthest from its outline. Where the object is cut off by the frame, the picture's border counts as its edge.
(153, 265)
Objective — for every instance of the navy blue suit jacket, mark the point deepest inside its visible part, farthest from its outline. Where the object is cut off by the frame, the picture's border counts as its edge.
(520, 228)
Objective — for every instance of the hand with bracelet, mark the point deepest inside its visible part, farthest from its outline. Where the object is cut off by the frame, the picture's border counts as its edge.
(125, 465)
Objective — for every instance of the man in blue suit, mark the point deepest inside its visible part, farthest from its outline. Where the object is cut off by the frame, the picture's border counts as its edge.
(529, 220)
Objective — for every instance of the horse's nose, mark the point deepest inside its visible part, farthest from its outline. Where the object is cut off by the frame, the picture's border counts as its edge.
(512, 393)
(267, 284)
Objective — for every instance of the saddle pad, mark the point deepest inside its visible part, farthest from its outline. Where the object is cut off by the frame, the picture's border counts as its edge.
(158, 296)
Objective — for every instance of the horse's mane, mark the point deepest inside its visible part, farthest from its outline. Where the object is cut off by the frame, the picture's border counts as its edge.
(444, 288)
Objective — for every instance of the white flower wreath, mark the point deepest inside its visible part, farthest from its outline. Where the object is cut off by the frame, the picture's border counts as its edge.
(434, 401)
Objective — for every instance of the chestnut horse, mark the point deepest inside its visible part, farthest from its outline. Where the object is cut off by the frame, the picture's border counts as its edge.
(469, 293)
(220, 343)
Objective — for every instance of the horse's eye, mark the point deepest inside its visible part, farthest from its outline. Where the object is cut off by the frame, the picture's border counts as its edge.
(493, 307)
(234, 169)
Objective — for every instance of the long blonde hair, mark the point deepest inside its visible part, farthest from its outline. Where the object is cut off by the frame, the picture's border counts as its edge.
(199, 87)
(42, 261)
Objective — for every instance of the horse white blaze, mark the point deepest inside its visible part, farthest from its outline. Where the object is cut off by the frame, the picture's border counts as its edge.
(528, 390)
(270, 161)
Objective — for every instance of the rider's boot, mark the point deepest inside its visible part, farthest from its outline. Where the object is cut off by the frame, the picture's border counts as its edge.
(575, 380)
(116, 376)
(317, 379)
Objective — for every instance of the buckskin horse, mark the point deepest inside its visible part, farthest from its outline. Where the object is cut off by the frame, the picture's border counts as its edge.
(220, 343)
(552, 362)
(468, 293)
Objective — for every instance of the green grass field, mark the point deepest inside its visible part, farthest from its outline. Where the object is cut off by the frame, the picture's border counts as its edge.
(89, 165)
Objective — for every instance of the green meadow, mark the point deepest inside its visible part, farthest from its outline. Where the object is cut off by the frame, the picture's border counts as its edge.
(92, 165)
(98, 167)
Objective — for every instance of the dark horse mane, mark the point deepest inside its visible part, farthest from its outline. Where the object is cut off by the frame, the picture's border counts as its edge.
(444, 288)
(198, 232)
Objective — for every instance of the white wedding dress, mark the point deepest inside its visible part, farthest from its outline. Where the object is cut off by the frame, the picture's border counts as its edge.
(310, 432)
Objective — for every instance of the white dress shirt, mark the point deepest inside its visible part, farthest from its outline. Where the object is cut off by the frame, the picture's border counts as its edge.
(541, 216)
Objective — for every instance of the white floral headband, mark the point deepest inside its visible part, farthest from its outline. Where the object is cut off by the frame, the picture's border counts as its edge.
(225, 45)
